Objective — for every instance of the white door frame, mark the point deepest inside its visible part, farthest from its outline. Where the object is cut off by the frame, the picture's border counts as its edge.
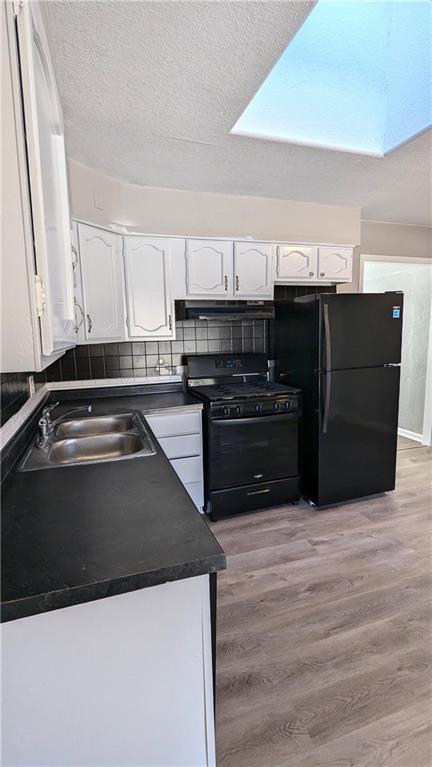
(426, 438)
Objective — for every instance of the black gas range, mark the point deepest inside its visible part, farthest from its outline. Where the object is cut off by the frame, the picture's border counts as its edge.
(250, 433)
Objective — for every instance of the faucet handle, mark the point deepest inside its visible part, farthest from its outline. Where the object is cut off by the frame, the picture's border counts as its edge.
(48, 408)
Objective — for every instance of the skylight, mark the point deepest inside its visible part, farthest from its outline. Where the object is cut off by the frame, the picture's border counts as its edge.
(356, 78)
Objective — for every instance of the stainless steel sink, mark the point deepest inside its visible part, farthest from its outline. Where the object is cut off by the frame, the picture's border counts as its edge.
(92, 440)
(87, 427)
(102, 447)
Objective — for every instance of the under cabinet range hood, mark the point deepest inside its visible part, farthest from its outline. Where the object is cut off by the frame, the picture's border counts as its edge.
(224, 310)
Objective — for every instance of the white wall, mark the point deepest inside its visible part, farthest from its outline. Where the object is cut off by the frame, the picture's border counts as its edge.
(104, 200)
(384, 239)
(415, 280)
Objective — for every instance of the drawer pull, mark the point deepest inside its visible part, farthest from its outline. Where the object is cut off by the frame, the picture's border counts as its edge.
(259, 492)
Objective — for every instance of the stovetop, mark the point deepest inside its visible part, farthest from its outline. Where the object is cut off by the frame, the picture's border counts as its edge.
(241, 391)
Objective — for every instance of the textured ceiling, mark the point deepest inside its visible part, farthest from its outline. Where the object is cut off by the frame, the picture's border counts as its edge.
(150, 91)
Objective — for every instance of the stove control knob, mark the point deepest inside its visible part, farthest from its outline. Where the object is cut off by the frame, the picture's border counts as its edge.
(287, 405)
(258, 407)
(237, 410)
(276, 406)
(226, 411)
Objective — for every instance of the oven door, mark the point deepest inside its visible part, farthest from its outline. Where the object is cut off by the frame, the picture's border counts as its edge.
(244, 451)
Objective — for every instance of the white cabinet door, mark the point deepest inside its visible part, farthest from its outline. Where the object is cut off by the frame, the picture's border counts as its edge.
(335, 264)
(253, 270)
(100, 254)
(149, 300)
(296, 262)
(48, 182)
(80, 336)
(209, 268)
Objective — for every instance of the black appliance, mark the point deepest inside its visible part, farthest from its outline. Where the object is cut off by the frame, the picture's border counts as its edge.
(250, 433)
(344, 351)
(224, 310)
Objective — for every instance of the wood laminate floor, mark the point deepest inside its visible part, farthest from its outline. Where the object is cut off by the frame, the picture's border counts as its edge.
(325, 634)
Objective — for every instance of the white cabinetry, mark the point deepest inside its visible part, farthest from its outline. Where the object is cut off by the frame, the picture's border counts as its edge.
(80, 336)
(299, 263)
(150, 305)
(100, 255)
(124, 680)
(209, 268)
(335, 264)
(253, 270)
(37, 282)
(180, 437)
(221, 269)
(296, 262)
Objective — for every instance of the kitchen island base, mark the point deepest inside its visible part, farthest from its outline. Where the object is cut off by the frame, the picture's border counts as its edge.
(125, 680)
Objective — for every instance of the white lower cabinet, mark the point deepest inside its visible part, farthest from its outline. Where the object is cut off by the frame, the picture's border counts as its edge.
(150, 304)
(180, 437)
(125, 680)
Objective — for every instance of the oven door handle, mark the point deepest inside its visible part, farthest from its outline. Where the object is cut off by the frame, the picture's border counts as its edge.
(255, 419)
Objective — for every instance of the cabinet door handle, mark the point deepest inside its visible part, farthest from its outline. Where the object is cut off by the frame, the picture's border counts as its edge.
(170, 322)
(311, 274)
(258, 492)
(89, 323)
(237, 282)
(322, 274)
(74, 257)
(226, 282)
(78, 324)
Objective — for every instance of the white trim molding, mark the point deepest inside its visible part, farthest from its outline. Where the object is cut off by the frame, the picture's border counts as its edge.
(410, 435)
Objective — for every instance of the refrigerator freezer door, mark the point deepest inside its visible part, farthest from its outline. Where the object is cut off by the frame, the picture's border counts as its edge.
(357, 434)
(360, 330)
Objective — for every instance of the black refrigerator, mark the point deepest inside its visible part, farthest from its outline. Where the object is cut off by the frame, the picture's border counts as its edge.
(344, 352)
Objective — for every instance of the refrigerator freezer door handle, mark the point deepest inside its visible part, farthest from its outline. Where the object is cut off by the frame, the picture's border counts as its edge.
(328, 365)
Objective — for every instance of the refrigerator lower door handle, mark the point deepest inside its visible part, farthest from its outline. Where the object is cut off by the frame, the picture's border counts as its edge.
(327, 397)
(328, 363)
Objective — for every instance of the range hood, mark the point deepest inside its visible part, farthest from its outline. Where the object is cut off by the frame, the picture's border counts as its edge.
(224, 310)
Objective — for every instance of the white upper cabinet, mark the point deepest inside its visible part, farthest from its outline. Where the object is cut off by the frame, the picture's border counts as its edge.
(150, 306)
(48, 182)
(253, 270)
(80, 336)
(335, 264)
(209, 268)
(103, 306)
(296, 262)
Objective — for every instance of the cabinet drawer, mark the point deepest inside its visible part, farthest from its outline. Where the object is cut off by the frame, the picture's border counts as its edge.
(176, 424)
(195, 490)
(225, 503)
(188, 469)
(182, 446)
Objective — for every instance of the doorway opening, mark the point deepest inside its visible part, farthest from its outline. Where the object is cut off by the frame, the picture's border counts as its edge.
(414, 278)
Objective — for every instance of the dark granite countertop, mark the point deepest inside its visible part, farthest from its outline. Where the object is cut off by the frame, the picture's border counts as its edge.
(79, 533)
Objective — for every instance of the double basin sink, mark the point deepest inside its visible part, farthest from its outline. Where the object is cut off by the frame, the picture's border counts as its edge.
(94, 439)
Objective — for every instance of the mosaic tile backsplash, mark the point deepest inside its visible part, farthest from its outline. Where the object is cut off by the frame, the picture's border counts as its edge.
(14, 392)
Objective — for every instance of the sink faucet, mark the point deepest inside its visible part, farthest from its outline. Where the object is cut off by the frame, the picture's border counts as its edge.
(47, 426)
